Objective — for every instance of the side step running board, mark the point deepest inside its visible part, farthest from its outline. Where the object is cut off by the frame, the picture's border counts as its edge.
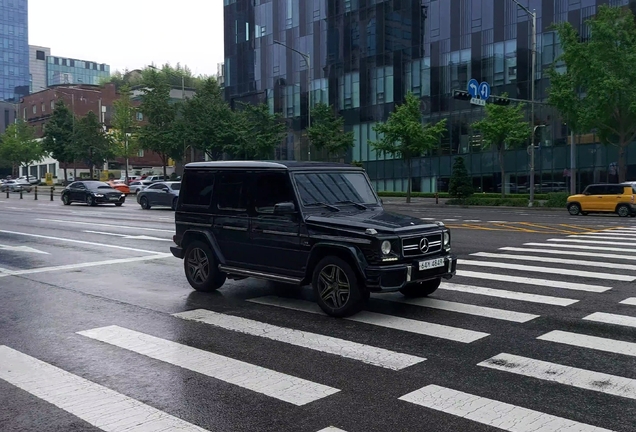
(260, 275)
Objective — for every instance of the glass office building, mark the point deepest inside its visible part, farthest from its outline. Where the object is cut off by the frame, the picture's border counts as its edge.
(14, 49)
(60, 70)
(365, 55)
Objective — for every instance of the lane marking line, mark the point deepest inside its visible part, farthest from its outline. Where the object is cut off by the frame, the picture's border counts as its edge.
(533, 281)
(287, 388)
(589, 380)
(463, 308)
(387, 321)
(629, 301)
(106, 225)
(5, 272)
(511, 295)
(97, 405)
(492, 412)
(331, 429)
(549, 270)
(571, 240)
(593, 236)
(583, 247)
(81, 242)
(608, 318)
(619, 266)
(571, 253)
(591, 342)
(317, 342)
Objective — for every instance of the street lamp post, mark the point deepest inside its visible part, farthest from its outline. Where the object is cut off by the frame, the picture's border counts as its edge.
(307, 60)
(532, 14)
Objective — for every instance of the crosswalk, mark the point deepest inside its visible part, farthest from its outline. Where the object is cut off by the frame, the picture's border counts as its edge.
(458, 318)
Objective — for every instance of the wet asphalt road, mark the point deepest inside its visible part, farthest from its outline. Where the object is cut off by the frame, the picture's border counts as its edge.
(67, 270)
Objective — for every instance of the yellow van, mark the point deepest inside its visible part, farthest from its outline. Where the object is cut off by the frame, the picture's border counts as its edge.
(604, 198)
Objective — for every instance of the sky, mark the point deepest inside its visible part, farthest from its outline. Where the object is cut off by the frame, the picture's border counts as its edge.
(131, 33)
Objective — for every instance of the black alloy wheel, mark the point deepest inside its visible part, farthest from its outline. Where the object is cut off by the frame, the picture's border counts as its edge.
(144, 203)
(201, 268)
(66, 200)
(90, 201)
(421, 289)
(336, 287)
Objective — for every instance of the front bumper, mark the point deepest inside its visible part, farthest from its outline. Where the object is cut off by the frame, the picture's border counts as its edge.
(394, 277)
(176, 251)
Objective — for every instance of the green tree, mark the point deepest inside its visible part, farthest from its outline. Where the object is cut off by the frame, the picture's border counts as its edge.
(404, 135)
(258, 133)
(19, 146)
(327, 131)
(58, 136)
(461, 185)
(601, 76)
(172, 74)
(125, 127)
(92, 144)
(161, 132)
(503, 127)
(208, 123)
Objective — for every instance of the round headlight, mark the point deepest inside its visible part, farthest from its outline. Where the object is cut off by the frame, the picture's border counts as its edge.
(386, 247)
(446, 238)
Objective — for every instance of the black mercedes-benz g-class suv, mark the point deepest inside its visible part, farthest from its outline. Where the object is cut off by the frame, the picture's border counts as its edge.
(304, 223)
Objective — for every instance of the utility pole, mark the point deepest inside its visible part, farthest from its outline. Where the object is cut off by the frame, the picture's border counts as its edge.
(572, 164)
(533, 15)
(307, 60)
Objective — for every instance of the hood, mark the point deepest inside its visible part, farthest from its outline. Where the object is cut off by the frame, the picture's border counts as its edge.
(378, 219)
(575, 197)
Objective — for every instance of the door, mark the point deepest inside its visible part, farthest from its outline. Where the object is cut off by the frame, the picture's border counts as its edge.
(616, 195)
(230, 223)
(78, 192)
(275, 238)
(153, 192)
(592, 199)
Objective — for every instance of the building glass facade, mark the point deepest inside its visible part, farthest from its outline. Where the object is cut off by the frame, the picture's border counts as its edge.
(365, 55)
(14, 49)
(60, 70)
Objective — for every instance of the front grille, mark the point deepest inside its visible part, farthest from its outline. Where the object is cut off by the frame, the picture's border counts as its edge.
(411, 245)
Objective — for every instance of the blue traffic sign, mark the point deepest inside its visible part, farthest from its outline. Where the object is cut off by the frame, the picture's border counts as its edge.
(473, 87)
(484, 90)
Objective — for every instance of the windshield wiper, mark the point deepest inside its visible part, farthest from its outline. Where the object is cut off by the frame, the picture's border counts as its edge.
(358, 205)
(317, 203)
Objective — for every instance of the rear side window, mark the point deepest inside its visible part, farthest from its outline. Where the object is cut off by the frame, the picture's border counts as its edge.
(231, 192)
(595, 190)
(197, 189)
(615, 190)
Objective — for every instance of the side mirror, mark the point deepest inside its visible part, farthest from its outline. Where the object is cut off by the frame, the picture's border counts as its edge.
(285, 208)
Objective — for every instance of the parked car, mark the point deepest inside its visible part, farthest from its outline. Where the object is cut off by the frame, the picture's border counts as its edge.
(304, 223)
(604, 198)
(164, 194)
(120, 186)
(29, 179)
(156, 178)
(15, 186)
(553, 187)
(92, 192)
(138, 185)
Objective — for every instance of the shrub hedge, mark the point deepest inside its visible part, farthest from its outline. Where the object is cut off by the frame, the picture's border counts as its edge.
(475, 196)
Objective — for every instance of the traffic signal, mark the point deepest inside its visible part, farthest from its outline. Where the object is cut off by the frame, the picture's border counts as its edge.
(461, 95)
(500, 100)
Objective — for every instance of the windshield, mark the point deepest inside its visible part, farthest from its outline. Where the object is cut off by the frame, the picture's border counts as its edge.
(334, 188)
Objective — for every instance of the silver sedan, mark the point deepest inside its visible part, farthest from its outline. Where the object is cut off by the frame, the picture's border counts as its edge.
(164, 194)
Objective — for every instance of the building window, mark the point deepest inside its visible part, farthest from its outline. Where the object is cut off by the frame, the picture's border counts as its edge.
(320, 91)
(56, 60)
(35, 109)
(459, 66)
(418, 77)
(40, 55)
(72, 63)
(53, 169)
(140, 153)
(292, 101)
(43, 108)
(52, 104)
(349, 91)
(140, 116)
(382, 85)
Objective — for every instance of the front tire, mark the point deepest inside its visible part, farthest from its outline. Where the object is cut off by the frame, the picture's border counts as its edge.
(336, 287)
(90, 201)
(623, 210)
(201, 268)
(118, 204)
(574, 209)
(421, 289)
(66, 200)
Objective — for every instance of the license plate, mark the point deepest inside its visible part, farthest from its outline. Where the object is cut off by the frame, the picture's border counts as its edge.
(114, 199)
(431, 264)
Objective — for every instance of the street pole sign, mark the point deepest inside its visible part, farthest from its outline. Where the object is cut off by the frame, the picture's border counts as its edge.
(479, 92)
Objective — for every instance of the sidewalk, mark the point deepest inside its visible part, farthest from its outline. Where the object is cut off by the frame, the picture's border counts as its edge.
(430, 202)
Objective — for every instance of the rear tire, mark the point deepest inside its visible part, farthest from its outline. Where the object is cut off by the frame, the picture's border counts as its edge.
(336, 287)
(574, 209)
(421, 289)
(144, 203)
(201, 268)
(623, 210)
(174, 204)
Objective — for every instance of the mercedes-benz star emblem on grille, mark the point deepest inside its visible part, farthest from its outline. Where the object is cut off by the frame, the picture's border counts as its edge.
(424, 245)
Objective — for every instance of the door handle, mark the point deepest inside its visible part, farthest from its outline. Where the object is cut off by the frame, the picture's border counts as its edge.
(234, 228)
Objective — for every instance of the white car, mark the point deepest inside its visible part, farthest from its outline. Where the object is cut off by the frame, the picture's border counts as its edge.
(138, 185)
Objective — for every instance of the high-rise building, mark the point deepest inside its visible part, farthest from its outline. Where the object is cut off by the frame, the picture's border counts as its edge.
(14, 46)
(37, 67)
(61, 70)
(365, 55)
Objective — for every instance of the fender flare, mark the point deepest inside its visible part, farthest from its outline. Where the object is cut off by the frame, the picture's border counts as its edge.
(191, 234)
